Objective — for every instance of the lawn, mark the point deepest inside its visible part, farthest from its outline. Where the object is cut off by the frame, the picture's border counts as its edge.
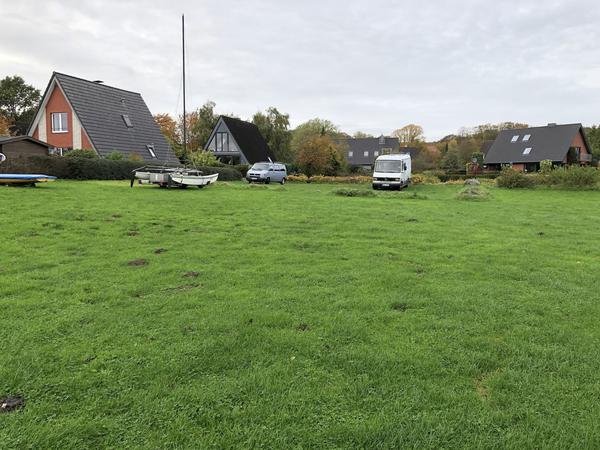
(289, 317)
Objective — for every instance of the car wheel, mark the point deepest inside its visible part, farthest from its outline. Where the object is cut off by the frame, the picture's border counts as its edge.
(268, 180)
(282, 181)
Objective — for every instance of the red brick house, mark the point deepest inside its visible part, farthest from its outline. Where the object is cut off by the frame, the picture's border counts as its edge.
(77, 113)
(525, 148)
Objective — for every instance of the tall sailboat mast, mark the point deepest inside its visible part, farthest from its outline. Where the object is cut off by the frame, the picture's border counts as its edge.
(184, 113)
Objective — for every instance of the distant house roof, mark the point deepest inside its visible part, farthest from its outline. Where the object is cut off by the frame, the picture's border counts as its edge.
(10, 139)
(114, 119)
(358, 147)
(248, 137)
(532, 145)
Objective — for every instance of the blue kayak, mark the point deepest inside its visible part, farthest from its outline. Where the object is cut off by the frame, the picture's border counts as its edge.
(20, 178)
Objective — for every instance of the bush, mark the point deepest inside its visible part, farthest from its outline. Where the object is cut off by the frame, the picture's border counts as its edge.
(571, 177)
(422, 178)
(546, 166)
(115, 156)
(93, 169)
(225, 173)
(82, 153)
(511, 179)
(205, 159)
(322, 179)
(242, 168)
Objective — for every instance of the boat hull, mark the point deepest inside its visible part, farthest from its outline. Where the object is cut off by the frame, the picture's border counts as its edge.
(193, 180)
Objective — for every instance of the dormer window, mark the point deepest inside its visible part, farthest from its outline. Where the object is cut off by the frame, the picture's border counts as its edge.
(515, 138)
(150, 149)
(59, 122)
(527, 151)
(127, 121)
(382, 140)
(526, 138)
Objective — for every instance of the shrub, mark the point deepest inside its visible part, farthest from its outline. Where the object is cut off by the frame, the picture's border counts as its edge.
(135, 157)
(242, 168)
(511, 179)
(225, 173)
(546, 166)
(82, 153)
(423, 178)
(92, 169)
(115, 156)
(205, 159)
(322, 179)
(571, 177)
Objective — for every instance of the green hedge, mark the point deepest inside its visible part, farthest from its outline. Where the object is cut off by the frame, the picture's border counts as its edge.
(92, 169)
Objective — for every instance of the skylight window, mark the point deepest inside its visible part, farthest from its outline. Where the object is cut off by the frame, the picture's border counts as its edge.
(127, 120)
(151, 150)
(527, 151)
(515, 138)
(526, 138)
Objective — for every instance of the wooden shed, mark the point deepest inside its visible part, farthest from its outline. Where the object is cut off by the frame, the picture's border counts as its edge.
(22, 146)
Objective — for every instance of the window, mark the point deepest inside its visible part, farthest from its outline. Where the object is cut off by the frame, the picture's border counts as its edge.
(366, 154)
(222, 142)
(151, 150)
(59, 122)
(527, 151)
(526, 138)
(382, 140)
(127, 121)
(515, 138)
(350, 154)
(375, 153)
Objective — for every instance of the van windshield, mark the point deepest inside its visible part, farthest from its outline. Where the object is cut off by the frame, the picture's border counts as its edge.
(388, 166)
(260, 166)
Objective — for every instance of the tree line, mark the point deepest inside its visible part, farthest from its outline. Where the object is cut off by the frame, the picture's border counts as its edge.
(314, 145)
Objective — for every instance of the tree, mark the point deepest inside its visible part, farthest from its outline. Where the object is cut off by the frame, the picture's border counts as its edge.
(593, 136)
(4, 126)
(201, 124)
(309, 130)
(275, 128)
(170, 130)
(361, 135)
(409, 134)
(18, 102)
(319, 155)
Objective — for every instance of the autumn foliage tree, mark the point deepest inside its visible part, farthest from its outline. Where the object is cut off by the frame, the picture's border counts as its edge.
(409, 134)
(319, 155)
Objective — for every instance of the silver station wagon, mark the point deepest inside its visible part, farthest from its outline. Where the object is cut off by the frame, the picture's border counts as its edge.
(266, 172)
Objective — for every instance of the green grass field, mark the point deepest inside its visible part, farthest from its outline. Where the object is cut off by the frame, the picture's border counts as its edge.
(289, 317)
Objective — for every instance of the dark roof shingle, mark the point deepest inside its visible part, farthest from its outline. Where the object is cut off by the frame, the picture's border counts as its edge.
(100, 110)
(250, 140)
(551, 142)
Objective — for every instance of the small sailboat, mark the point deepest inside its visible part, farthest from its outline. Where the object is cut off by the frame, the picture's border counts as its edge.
(181, 177)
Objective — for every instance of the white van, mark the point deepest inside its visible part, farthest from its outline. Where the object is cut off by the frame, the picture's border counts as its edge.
(392, 171)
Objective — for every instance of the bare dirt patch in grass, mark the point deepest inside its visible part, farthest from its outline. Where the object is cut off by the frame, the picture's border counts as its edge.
(138, 262)
(11, 404)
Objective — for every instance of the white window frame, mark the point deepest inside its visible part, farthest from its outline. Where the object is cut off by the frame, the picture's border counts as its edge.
(366, 154)
(515, 138)
(375, 153)
(350, 154)
(527, 151)
(526, 138)
(63, 126)
(150, 149)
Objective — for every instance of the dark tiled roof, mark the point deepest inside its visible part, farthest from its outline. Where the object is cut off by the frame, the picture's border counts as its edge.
(11, 139)
(358, 147)
(550, 142)
(100, 109)
(248, 137)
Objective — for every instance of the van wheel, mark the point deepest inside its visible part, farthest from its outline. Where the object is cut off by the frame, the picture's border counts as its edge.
(268, 180)
(282, 181)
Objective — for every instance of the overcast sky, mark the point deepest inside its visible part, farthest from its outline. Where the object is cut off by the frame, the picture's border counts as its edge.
(370, 65)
